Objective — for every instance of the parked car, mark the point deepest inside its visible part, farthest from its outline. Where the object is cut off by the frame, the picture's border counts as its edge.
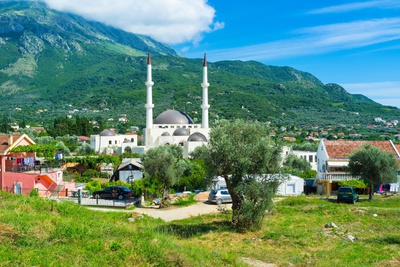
(119, 192)
(347, 194)
(219, 196)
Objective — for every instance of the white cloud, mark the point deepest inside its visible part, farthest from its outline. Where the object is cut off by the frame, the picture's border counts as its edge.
(387, 93)
(169, 21)
(318, 40)
(382, 4)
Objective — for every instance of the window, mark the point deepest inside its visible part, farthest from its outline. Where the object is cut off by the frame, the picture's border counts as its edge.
(310, 158)
(110, 142)
(115, 141)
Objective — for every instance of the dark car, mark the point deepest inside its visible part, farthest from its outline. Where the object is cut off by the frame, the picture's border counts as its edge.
(347, 194)
(119, 192)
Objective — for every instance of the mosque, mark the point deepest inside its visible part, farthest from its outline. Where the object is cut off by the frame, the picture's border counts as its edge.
(171, 127)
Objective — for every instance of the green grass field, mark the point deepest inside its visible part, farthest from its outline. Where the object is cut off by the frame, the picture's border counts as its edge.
(40, 232)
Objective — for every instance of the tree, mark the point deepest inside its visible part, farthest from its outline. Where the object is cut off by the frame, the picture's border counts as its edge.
(85, 149)
(164, 164)
(374, 166)
(249, 161)
(296, 165)
(193, 176)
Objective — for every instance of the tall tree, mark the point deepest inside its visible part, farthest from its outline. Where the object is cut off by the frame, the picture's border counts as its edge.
(374, 166)
(164, 164)
(249, 161)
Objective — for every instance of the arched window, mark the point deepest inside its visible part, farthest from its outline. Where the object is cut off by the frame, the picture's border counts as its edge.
(128, 149)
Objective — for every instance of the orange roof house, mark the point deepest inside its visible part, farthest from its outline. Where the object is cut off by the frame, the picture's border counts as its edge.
(333, 156)
(19, 174)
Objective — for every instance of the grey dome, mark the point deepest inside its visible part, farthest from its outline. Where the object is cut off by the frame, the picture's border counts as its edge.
(165, 134)
(173, 117)
(181, 132)
(127, 141)
(108, 132)
(197, 137)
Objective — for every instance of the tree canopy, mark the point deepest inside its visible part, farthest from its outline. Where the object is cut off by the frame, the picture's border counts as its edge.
(164, 164)
(249, 161)
(374, 166)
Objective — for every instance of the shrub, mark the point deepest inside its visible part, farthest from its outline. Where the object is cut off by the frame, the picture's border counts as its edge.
(34, 193)
(91, 173)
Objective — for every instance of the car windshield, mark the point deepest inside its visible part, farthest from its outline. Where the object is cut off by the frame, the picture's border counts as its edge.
(213, 192)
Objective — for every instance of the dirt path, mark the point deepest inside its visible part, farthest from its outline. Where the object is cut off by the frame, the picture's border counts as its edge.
(173, 213)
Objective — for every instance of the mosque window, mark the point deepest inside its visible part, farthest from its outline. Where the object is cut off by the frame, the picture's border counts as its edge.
(109, 142)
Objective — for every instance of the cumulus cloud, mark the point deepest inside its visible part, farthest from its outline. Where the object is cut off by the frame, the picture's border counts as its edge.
(169, 21)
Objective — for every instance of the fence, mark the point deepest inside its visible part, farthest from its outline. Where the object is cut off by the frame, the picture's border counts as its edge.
(81, 197)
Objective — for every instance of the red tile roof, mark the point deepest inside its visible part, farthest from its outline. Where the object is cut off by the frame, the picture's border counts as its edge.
(342, 149)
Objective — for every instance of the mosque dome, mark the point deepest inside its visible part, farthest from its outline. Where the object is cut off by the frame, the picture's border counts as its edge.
(173, 117)
(181, 132)
(197, 137)
(165, 134)
(108, 132)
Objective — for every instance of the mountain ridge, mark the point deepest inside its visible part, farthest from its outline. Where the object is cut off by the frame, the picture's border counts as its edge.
(54, 62)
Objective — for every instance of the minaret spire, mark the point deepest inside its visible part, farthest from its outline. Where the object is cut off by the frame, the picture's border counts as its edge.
(205, 106)
(149, 103)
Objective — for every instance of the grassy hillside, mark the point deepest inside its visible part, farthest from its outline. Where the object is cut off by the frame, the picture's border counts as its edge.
(41, 232)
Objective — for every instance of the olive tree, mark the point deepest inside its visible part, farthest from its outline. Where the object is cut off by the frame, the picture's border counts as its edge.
(164, 164)
(374, 166)
(249, 161)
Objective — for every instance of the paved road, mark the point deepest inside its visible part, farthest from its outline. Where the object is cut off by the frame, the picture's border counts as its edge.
(173, 213)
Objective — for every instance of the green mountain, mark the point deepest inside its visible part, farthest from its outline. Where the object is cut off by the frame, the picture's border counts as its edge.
(52, 63)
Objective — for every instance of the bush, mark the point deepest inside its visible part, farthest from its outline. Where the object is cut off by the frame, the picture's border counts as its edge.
(91, 173)
(34, 193)
(93, 186)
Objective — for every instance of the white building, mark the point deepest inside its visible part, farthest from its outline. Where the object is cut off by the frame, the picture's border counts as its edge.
(109, 142)
(294, 186)
(171, 127)
(310, 156)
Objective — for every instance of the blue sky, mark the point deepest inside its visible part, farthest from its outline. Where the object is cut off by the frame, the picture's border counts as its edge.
(352, 43)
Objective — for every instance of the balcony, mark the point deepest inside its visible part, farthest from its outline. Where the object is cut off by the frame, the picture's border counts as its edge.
(336, 176)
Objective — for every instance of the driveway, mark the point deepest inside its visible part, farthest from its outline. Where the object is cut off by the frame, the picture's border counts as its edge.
(173, 213)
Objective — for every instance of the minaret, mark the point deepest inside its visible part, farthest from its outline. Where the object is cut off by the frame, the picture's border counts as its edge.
(149, 104)
(205, 106)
